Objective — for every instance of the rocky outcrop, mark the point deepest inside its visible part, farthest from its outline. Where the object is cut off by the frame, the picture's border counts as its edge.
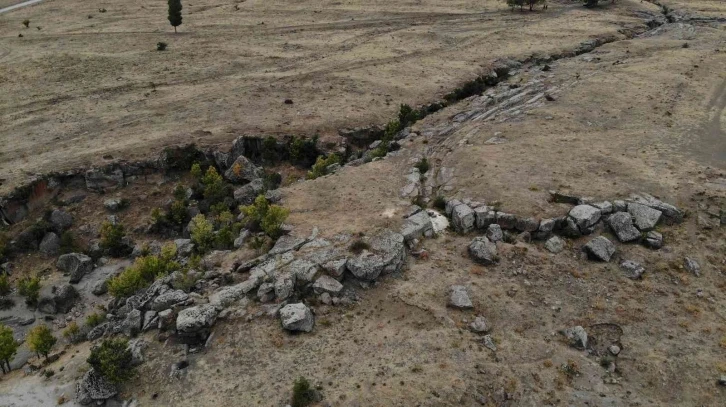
(386, 255)
(196, 322)
(483, 251)
(94, 388)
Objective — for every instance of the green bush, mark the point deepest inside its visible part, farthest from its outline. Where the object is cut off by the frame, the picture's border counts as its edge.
(303, 151)
(4, 240)
(112, 238)
(113, 360)
(423, 165)
(26, 23)
(4, 285)
(68, 243)
(321, 164)
(41, 340)
(202, 233)
(143, 272)
(269, 149)
(215, 189)
(161, 46)
(268, 217)
(29, 287)
(8, 347)
(196, 171)
(407, 116)
(72, 333)
(302, 393)
(95, 319)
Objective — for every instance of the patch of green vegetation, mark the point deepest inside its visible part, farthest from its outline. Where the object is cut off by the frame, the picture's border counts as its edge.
(423, 165)
(302, 393)
(95, 319)
(202, 233)
(113, 360)
(321, 164)
(358, 246)
(4, 285)
(143, 272)
(439, 203)
(112, 239)
(29, 287)
(267, 217)
(41, 340)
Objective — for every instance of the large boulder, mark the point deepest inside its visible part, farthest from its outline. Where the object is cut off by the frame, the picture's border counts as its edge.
(554, 244)
(184, 247)
(600, 248)
(246, 194)
(297, 317)
(196, 319)
(60, 220)
(50, 245)
(483, 251)
(645, 217)
(463, 218)
(60, 299)
(576, 336)
(585, 217)
(653, 240)
(495, 233)
(94, 388)
(225, 296)
(670, 212)
(243, 171)
(621, 223)
(632, 270)
(485, 216)
(76, 264)
(168, 300)
(417, 225)
(387, 254)
(132, 324)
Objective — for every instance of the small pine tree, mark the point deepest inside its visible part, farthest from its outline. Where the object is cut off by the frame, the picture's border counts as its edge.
(8, 347)
(175, 15)
(41, 340)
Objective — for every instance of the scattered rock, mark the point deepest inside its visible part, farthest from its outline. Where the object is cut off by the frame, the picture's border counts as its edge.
(416, 226)
(184, 247)
(494, 233)
(632, 269)
(545, 229)
(94, 388)
(488, 342)
(387, 255)
(76, 264)
(614, 350)
(600, 248)
(243, 171)
(115, 204)
(50, 245)
(506, 220)
(137, 346)
(576, 336)
(621, 223)
(459, 298)
(692, 266)
(244, 234)
(479, 325)
(327, 284)
(605, 207)
(196, 320)
(483, 251)
(484, 217)
(463, 218)
(60, 220)
(653, 240)
(97, 331)
(168, 300)
(132, 324)
(246, 194)
(297, 317)
(645, 218)
(527, 225)
(554, 244)
(585, 217)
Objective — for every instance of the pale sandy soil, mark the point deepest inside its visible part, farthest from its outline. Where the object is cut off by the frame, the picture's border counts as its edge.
(81, 88)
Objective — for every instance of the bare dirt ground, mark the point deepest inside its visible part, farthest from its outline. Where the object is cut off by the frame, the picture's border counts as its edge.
(644, 114)
(80, 88)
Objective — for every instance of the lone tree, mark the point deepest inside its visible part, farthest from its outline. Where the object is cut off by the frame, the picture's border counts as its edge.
(8, 347)
(41, 340)
(175, 16)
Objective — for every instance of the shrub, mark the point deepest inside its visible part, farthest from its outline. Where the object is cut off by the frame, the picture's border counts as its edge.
(8, 347)
(72, 332)
(196, 171)
(272, 180)
(41, 340)
(321, 165)
(358, 246)
(423, 165)
(303, 151)
(268, 217)
(269, 149)
(30, 289)
(113, 360)
(215, 189)
(143, 272)
(202, 233)
(68, 243)
(177, 213)
(112, 238)
(302, 393)
(161, 46)
(26, 23)
(4, 285)
(407, 115)
(4, 240)
(95, 319)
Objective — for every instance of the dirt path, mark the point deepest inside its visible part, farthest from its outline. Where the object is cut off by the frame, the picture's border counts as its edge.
(19, 5)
